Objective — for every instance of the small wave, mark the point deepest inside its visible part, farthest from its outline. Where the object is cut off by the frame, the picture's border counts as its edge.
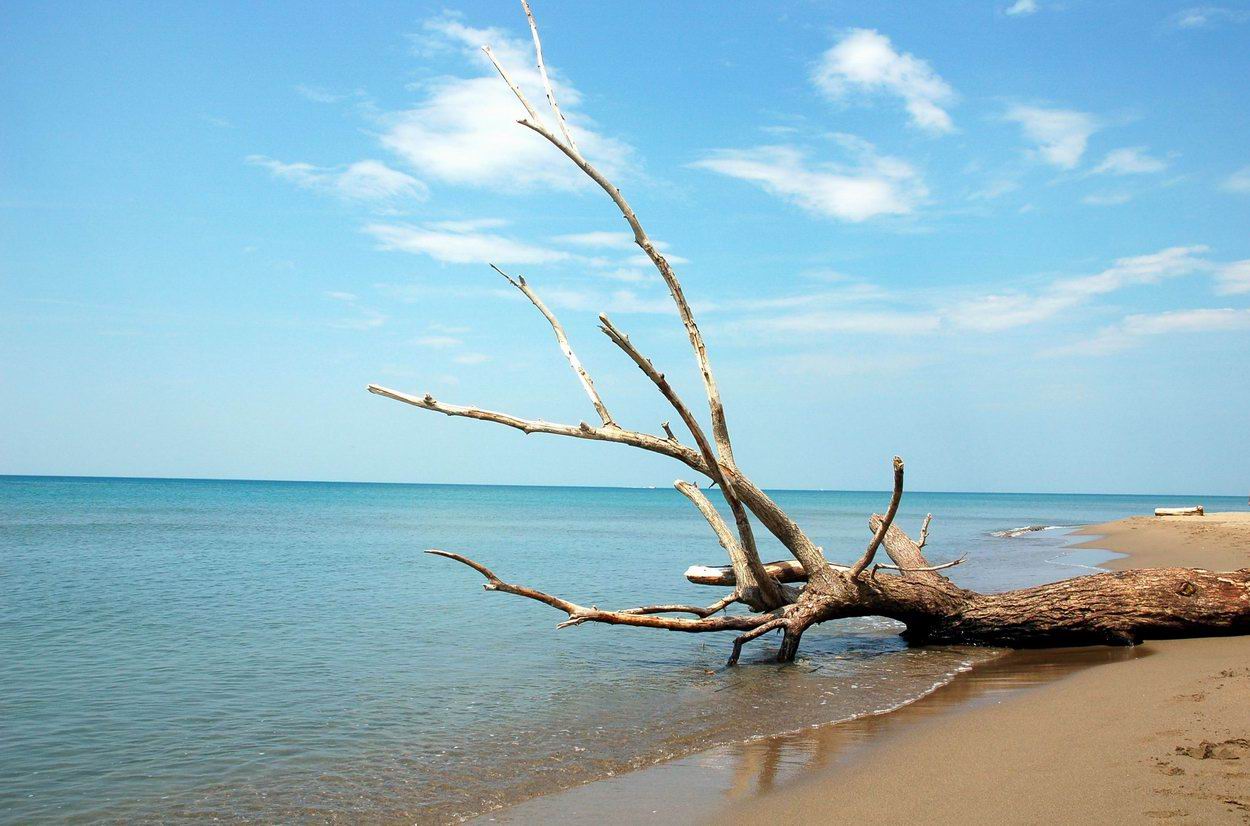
(1026, 529)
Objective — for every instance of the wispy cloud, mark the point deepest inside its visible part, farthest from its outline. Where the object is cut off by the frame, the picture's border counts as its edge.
(438, 342)
(1059, 136)
(871, 185)
(366, 180)
(1106, 198)
(1004, 311)
(1238, 182)
(883, 322)
(464, 130)
(1202, 17)
(1233, 278)
(471, 358)
(1131, 160)
(461, 243)
(864, 60)
(1021, 8)
(1134, 328)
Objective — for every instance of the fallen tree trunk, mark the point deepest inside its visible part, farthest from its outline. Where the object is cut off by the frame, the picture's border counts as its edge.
(1113, 608)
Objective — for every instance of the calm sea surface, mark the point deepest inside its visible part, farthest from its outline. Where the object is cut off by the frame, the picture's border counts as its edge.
(279, 652)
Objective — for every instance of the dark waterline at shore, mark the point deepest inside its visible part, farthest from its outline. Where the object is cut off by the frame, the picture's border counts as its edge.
(279, 650)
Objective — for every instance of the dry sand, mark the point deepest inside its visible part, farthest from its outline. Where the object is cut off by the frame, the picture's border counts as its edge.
(1161, 737)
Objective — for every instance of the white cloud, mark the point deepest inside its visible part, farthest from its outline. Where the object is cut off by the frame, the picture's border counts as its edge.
(1060, 135)
(1238, 182)
(1134, 328)
(366, 319)
(366, 180)
(1131, 160)
(864, 60)
(340, 296)
(459, 243)
(883, 322)
(1201, 17)
(991, 313)
(609, 240)
(1107, 198)
(1022, 7)
(464, 130)
(438, 342)
(873, 185)
(471, 358)
(1233, 278)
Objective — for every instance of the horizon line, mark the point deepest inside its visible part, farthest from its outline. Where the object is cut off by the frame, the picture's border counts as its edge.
(4, 476)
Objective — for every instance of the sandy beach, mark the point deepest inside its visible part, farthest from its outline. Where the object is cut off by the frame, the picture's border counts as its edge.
(1098, 735)
(1124, 742)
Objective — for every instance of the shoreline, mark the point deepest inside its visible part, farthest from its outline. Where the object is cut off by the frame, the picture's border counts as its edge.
(997, 736)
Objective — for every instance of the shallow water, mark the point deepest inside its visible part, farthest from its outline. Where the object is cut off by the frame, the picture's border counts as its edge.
(283, 651)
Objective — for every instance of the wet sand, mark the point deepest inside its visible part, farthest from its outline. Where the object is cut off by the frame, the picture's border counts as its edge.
(1100, 735)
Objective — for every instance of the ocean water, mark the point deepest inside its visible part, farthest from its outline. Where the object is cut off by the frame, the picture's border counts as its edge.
(284, 652)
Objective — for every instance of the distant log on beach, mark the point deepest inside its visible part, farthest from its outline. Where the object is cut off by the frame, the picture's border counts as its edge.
(1194, 511)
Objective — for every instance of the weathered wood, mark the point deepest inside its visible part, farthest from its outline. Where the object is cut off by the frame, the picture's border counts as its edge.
(1112, 608)
(1194, 511)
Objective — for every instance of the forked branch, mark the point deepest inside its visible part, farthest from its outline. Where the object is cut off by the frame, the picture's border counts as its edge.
(720, 429)
(636, 617)
(561, 339)
(879, 534)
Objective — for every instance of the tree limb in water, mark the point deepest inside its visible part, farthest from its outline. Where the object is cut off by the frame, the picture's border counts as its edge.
(1111, 608)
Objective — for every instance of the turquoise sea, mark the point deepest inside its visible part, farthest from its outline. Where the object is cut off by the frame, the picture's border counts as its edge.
(284, 652)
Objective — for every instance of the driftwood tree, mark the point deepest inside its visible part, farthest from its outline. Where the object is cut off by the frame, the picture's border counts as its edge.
(1112, 608)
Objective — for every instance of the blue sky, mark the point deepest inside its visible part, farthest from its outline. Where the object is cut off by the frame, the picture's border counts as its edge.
(1007, 241)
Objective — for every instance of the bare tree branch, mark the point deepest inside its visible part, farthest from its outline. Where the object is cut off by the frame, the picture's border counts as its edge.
(942, 567)
(587, 384)
(580, 613)
(516, 90)
(750, 576)
(770, 591)
(720, 429)
(750, 635)
(716, 607)
(646, 441)
(924, 531)
(542, 70)
(871, 551)
(905, 553)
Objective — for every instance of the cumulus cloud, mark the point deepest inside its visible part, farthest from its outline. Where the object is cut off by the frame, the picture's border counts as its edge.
(864, 60)
(463, 130)
(366, 180)
(990, 313)
(461, 243)
(1131, 160)
(1134, 328)
(869, 186)
(1238, 182)
(1233, 278)
(1059, 135)
(1021, 7)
